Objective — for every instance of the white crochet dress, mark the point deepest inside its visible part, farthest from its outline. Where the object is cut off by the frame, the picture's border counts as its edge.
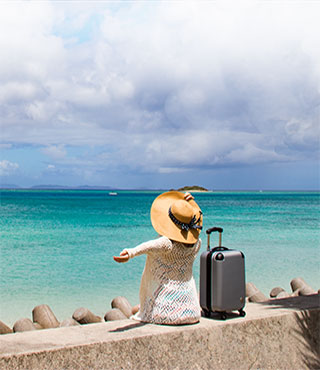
(168, 293)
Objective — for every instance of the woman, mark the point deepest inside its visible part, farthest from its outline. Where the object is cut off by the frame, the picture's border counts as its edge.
(168, 293)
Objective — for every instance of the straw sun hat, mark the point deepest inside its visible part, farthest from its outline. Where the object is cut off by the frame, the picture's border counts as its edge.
(176, 218)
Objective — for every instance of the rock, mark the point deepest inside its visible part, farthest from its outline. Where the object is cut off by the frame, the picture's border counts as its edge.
(275, 291)
(69, 322)
(37, 326)
(4, 329)
(295, 293)
(302, 286)
(254, 294)
(258, 297)
(23, 325)
(135, 309)
(283, 294)
(114, 314)
(306, 290)
(251, 289)
(44, 316)
(123, 305)
(85, 316)
(297, 283)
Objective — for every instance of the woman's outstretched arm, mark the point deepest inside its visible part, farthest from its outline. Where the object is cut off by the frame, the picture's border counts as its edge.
(161, 243)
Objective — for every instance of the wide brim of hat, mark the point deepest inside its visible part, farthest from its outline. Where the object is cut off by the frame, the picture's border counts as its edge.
(162, 223)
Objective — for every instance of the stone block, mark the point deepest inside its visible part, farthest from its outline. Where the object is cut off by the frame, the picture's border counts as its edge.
(114, 314)
(69, 322)
(123, 305)
(24, 324)
(275, 291)
(4, 329)
(44, 316)
(85, 316)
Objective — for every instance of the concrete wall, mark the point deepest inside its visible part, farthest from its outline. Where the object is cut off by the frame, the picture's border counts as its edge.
(281, 335)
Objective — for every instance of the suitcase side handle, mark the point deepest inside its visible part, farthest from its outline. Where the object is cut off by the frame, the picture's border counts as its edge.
(213, 229)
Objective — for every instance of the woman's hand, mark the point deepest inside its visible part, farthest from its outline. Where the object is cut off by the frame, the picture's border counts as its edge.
(188, 196)
(124, 257)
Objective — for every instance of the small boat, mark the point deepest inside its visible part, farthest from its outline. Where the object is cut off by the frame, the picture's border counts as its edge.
(113, 193)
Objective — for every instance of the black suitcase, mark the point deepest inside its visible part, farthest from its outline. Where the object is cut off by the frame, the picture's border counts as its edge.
(222, 279)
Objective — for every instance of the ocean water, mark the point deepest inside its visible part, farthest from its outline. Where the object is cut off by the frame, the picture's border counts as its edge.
(57, 246)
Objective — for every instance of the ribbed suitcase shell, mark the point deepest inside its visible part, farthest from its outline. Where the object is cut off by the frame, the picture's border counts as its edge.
(222, 280)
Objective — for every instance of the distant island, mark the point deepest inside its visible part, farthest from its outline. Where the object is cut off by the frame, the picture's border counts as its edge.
(193, 188)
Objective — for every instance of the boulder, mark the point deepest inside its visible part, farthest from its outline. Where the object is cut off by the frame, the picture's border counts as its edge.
(44, 316)
(306, 290)
(37, 326)
(85, 316)
(295, 293)
(254, 294)
(283, 294)
(275, 291)
(300, 285)
(23, 325)
(114, 314)
(69, 322)
(251, 289)
(4, 329)
(123, 305)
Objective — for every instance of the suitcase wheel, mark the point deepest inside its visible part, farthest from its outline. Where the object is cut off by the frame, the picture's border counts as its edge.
(242, 313)
(206, 313)
(223, 316)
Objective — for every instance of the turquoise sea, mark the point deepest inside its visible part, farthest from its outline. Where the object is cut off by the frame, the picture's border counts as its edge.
(57, 245)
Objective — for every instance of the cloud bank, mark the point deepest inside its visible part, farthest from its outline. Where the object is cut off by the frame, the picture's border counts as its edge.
(160, 87)
(7, 167)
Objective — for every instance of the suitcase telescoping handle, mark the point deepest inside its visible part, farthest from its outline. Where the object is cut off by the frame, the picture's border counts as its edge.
(211, 230)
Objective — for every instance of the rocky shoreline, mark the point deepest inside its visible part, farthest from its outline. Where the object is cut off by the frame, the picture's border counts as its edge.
(121, 309)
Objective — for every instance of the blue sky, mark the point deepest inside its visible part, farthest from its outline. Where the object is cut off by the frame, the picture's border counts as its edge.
(158, 94)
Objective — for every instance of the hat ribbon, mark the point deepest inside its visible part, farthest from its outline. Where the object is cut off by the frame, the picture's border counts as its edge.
(184, 226)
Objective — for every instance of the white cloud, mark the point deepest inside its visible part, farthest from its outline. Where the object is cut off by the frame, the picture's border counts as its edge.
(55, 151)
(17, 91)
(7, 168)
(251, 154)
(159, 85)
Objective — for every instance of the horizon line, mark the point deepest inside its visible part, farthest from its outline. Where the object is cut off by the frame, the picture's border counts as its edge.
(109, 188)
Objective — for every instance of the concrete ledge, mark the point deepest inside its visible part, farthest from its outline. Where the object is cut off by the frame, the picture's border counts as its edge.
(280, 334)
